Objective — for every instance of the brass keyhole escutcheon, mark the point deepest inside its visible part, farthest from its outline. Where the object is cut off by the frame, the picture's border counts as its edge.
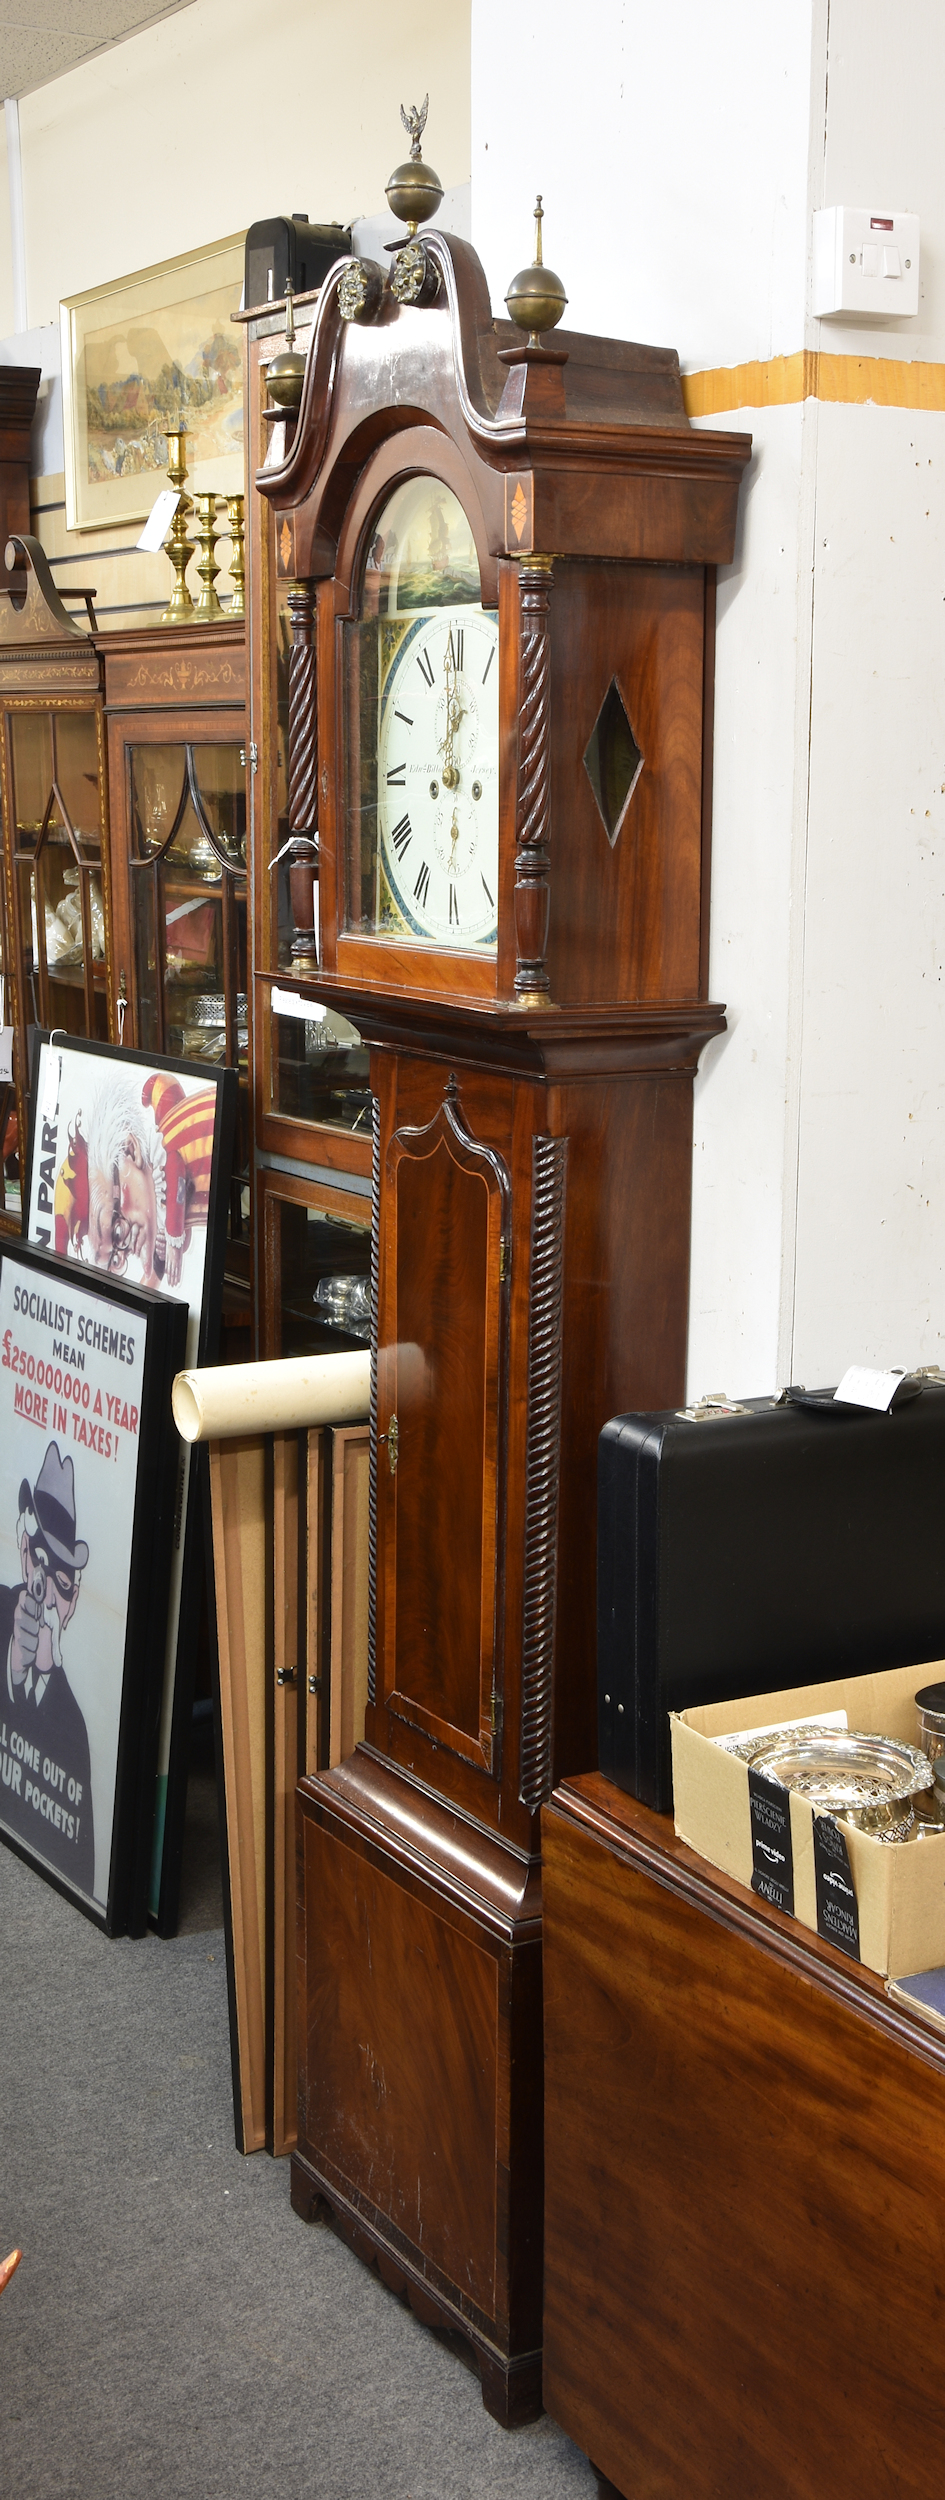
(392, 1439)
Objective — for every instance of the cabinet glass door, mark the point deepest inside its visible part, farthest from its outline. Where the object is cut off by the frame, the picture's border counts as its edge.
(188, 895)
(188, 870)
(57, 778)
(316, 1263)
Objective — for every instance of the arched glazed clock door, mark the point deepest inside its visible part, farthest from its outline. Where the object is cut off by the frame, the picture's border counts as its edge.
(421, 731)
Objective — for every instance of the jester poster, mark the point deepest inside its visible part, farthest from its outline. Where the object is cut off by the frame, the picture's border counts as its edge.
(129, 1164)
(87, 1475)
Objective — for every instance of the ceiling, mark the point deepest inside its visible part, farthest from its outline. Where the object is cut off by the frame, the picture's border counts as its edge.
(40, 39)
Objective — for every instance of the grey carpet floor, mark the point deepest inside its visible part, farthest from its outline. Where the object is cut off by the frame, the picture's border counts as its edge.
(174, 2332)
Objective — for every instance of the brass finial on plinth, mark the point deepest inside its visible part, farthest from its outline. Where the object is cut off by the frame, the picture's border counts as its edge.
(414, 191)
(235, 517)
(286, 373)
(177, 546)
(536, 298)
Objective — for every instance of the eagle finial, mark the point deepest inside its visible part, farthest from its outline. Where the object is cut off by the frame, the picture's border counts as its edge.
(414, 124)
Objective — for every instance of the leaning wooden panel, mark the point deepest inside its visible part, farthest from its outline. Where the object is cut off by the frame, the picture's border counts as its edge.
(285, 1772)
(317, 1599)
(240, 1560)
(349, 1591)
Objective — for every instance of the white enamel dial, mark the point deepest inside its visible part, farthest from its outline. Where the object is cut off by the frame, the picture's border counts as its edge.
(438, 778)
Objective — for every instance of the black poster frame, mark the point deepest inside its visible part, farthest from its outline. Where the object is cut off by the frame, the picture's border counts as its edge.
(124, 1909)
(103, 1061)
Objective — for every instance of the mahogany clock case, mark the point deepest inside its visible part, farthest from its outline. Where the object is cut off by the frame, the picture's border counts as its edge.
(531, 1176)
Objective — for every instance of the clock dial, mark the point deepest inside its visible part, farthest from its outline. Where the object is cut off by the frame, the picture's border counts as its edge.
(438, 776)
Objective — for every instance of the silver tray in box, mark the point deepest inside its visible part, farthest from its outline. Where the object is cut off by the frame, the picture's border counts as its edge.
(869, 1780)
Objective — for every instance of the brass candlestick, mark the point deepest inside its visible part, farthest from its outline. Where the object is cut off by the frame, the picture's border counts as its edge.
(206, 533)
(177, 545)
(234, 514)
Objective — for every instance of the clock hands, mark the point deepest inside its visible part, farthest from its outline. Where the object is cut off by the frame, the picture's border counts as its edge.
(454, 714)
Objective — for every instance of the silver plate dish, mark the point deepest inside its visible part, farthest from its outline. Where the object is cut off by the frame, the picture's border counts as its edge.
(211, 1008)
(870, 1780)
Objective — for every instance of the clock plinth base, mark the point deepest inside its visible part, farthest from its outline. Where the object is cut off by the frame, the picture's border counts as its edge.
(511, 2389)
(420, 2122)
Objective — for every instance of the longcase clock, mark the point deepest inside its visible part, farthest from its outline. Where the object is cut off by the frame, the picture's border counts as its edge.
(502, 562)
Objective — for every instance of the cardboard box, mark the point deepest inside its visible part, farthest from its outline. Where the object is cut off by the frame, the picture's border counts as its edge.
(900, 1888)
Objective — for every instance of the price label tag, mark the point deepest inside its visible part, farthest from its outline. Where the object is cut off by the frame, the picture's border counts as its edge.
(289, 1003)
(158, 521)
(860, 1387)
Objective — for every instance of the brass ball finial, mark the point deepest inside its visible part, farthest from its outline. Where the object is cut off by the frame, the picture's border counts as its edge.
(536, 298)
(414, 191)
(286, 373)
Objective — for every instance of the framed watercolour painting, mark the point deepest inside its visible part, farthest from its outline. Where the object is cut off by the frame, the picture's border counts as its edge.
(129, 1166)
(144, 353)
(88, 1473)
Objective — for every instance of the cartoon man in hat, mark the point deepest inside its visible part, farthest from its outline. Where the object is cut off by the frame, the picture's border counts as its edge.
(46, 1796)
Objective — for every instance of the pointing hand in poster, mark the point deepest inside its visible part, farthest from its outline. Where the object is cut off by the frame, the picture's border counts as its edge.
(27, 1619)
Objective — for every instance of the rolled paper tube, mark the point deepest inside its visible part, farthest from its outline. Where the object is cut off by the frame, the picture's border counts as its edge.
(272, 1397)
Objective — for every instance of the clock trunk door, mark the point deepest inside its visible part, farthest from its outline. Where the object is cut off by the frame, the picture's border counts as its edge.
(439, 1470)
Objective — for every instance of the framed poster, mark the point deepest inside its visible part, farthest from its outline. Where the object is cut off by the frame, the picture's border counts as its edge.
(153, 350)
(88, 1474)
(129, 1165)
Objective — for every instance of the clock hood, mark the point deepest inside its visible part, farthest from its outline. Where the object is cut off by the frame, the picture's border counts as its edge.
(519, 417)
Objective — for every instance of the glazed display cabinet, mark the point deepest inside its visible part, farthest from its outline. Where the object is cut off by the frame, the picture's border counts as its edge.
(177, 773)
(56, 886)
(312, 1122)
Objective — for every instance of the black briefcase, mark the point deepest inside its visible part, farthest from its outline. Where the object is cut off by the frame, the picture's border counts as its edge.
(747, 1551)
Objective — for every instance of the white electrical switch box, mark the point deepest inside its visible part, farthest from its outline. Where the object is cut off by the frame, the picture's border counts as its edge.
(866, 264)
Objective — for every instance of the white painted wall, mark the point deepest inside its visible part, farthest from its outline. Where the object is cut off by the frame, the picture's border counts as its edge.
(703, 142)
(741, 1188)
(226, 113)
(670, 146)
(693, 232)
(871, 1090)
(7, 313)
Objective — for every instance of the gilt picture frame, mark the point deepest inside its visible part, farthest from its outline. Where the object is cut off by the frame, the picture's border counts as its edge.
(139, 354)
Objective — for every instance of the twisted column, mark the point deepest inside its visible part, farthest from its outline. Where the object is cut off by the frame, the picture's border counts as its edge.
(303, 770)
(542, 1464)
(532, 893)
